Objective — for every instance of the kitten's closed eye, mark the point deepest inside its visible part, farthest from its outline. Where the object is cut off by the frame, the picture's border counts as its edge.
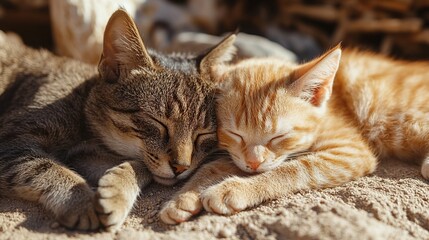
(237, 137)
(278, 138)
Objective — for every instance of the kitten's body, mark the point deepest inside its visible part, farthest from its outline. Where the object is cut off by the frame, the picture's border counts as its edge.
(387, 101)
(281, 120)
(143, 116)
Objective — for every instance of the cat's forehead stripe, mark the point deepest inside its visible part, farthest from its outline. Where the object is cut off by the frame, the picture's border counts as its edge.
(256, 101)
(189, 103)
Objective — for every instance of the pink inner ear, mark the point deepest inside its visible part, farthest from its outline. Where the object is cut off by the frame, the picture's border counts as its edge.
(321, 93)
(317, 97)
(316, 78)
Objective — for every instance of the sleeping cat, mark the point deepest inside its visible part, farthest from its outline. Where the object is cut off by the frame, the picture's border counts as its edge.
(316, 125)
(65, 127)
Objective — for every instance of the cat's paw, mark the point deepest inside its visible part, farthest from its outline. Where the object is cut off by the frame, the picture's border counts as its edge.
(114, 199)
(181, 208)
(228, 197)
(78, 211)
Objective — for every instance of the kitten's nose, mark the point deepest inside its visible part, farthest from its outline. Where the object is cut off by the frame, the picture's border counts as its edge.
(178, 169)
(255, 156)
(253, 165)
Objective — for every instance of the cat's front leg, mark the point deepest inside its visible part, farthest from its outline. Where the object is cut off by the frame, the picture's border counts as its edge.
(28, 172)
(117, 191)
(186, 203)
(235, 194)
(322, 168)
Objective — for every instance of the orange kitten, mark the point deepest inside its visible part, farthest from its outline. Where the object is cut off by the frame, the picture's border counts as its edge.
(315, 125)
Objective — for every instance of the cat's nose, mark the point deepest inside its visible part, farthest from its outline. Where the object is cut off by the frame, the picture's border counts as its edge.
(178, 169)
(253, 165)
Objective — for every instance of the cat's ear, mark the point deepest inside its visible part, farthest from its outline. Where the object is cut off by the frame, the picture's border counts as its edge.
(313, 81)
(216, 56)
(123, 48)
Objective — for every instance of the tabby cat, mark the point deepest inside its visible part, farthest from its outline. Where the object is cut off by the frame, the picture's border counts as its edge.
(320, 124)
(65, 127)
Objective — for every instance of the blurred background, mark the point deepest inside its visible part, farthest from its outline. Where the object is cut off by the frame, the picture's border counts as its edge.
(294, 29)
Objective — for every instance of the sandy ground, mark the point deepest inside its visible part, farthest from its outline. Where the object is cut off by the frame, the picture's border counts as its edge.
(393, 203)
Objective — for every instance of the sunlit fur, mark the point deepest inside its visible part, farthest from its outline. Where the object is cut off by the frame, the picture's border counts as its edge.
(376, 103)
(258, 118)
(315, 125)
(84, 143)
(160, 115)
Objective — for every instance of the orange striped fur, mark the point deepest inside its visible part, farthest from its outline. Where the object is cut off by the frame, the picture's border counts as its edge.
(314, 125)
(378, 107)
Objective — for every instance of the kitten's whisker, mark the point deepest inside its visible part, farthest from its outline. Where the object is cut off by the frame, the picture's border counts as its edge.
(295, 155)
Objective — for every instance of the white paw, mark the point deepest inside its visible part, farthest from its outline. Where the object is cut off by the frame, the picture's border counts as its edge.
(114, 199)
(425, 169)
(226, 198)
(181, 208)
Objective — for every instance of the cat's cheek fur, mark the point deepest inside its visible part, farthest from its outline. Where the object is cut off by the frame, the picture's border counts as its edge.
(132, 147)
(306, 140)
(121, 143)
(242, 164)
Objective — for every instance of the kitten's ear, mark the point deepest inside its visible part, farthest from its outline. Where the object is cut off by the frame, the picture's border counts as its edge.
(123, 48)
(218, 55)
(313, 81)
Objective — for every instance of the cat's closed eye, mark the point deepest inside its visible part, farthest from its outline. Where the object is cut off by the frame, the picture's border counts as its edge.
(206, 141)
(202, 136)
(277, 138)
(153, 128)
(237, 137)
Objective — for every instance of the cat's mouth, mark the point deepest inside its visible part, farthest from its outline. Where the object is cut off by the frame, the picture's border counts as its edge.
(165, 181)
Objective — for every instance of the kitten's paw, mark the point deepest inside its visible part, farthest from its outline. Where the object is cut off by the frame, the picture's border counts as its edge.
(181, 208)
(114, 199)
(78, 212)
(226, 198)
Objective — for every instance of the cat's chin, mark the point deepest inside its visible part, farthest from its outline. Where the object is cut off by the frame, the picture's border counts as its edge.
(165, 181)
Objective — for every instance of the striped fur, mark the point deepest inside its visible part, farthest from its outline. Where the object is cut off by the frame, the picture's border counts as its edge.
(316, 125)
(66, 128)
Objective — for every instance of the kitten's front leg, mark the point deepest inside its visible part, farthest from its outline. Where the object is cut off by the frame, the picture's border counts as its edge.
(117, 191)
(327, 168)
(186, 203)
(232, 195)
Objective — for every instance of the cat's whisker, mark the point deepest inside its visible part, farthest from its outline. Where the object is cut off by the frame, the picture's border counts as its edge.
(298, 154)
